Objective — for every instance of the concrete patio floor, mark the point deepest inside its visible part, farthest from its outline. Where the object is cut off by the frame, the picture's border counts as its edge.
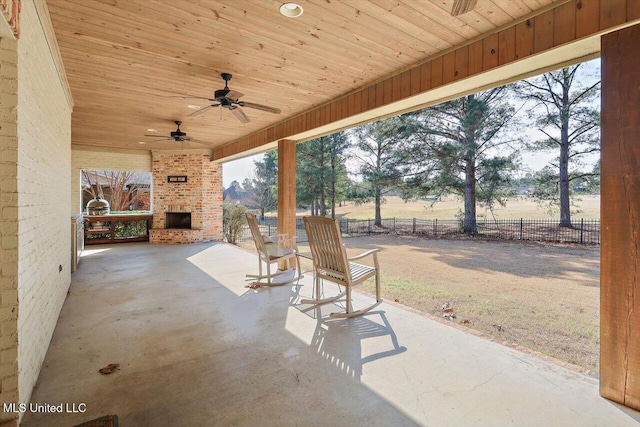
(197, 348)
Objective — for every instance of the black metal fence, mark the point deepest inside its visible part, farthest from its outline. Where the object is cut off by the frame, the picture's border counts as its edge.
(584, 231)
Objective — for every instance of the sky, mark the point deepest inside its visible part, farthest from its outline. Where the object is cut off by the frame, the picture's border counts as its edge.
(240, 169)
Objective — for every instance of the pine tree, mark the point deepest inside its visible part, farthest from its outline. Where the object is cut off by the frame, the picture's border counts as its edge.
(263, 186)
(321, 173)
(378, 147)
(459, 147)
(565, 112)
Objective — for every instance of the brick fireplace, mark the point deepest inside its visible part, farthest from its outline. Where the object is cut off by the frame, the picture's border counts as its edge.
(187, 197)
(178, 220)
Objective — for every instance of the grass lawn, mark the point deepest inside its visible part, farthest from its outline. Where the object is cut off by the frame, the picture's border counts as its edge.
(517, 207)
(544, 297)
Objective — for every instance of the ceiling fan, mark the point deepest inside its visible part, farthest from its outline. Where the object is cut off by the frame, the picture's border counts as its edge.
(229, 99)
(179, 136)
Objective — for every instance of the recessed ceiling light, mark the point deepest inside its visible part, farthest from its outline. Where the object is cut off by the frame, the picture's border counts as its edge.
(152, 130)
(291, 10)
(142, 142)
(193, 106)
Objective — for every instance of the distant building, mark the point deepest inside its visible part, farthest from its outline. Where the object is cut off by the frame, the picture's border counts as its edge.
(236, 194)
(136, 187)
(524, 190)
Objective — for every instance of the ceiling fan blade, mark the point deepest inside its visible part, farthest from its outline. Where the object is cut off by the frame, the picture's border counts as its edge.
(234, 94)
(157, 136)
(260, 107)
(240, 115)
(191, 97)
(462, 6)
(202, 110)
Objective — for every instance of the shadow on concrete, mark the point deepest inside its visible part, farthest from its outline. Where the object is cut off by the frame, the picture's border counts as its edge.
(339, 342)
(196, 347)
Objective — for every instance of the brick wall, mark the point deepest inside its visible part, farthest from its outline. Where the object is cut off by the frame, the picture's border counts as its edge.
(201, 194)
(35, 222)
(8, 224)
(90, 158)
(175, 236)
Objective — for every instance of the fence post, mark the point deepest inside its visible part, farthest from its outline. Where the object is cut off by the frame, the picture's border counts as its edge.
(269, 230)
(414, 226)
(521, 226)
(394, 225)
(347, 225)
(581, 230)
(369, 226)
(435, 228)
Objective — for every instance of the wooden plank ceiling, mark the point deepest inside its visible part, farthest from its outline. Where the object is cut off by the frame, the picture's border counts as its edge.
(127, 60)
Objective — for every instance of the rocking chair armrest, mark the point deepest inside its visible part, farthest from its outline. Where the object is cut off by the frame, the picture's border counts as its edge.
(281, 241)
(364, 254)
(274, 249)
(282, 238)
(275, 237)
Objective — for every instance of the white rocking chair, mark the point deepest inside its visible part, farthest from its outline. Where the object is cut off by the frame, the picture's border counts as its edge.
(330, 263)
(270, 252)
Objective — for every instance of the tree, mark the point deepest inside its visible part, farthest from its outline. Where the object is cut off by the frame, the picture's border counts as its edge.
(459, 146)
(120, 188)
(564, 111)
(338, 178)
(311, 171)
(321, 172)
(233, 221)
(378, 147)
(263, 186)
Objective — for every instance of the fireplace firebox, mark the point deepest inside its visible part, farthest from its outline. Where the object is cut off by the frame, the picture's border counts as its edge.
(178, 220)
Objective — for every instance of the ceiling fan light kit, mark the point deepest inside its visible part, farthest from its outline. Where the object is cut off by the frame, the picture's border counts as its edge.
(177, 136)
(229, 99)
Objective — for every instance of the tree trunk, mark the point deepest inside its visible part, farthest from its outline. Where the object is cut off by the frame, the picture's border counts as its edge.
(322, 204)
(565, 207)
(563, 185)
(378, 200)
(469, 225)
(262, 214)
(322, 201)
(333, 188)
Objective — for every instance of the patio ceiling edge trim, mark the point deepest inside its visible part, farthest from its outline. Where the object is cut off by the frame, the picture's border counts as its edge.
(565, 34)
(42, 10)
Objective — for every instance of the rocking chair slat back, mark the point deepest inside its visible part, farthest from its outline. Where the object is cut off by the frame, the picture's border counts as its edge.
(329, 254)
(258, 239)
